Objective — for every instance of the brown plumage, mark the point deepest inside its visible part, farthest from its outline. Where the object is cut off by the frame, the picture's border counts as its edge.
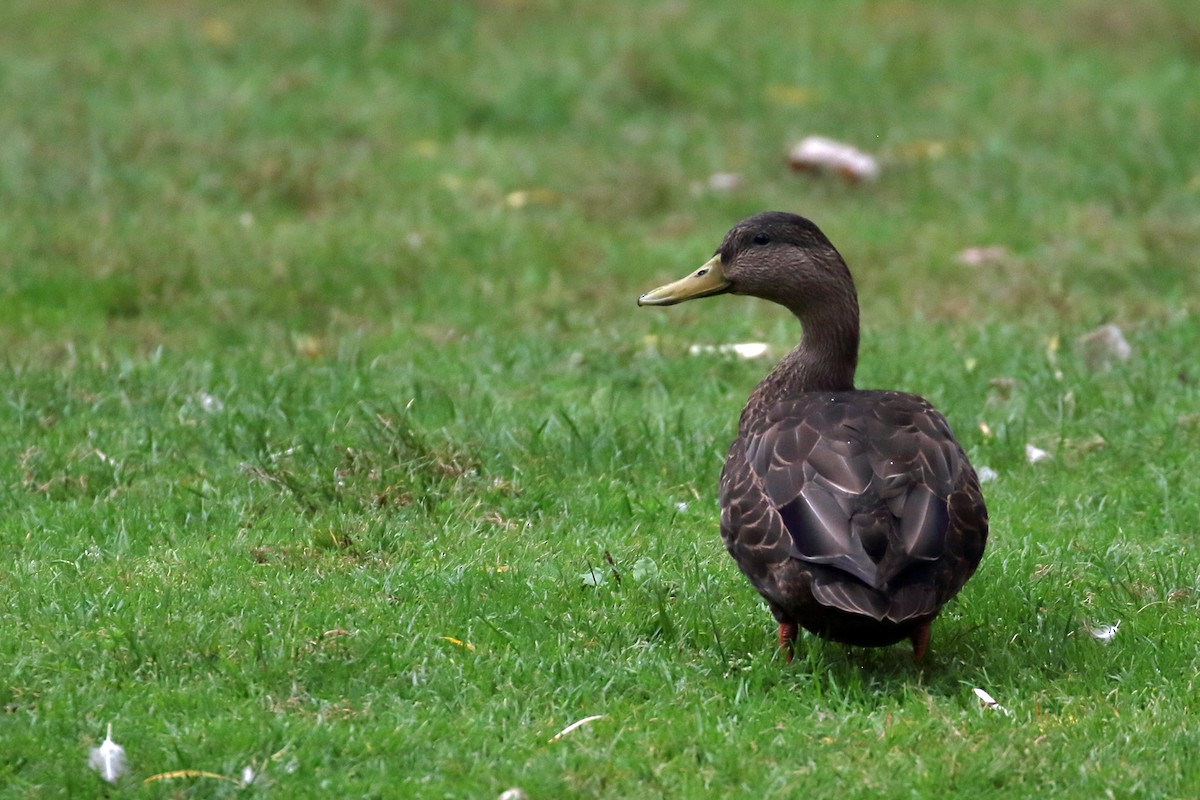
(854, 513)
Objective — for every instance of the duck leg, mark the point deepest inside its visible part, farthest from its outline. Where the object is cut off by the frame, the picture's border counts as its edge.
(920, 641)
(788, 631)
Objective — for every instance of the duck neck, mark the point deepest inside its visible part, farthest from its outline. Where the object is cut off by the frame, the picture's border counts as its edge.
(824, 361)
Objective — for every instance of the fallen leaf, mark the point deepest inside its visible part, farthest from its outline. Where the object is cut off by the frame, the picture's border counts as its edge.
(821, 154)
(1076, 449)
(1004, 386)
(982, 256)
(459, 642)
(307, 345)
(724, 181)
(217, 31)
(530, 197)
(1104, 346)
(426, 148)
(930, 149)
(187, 773)
(1052, 348)
(788, 95)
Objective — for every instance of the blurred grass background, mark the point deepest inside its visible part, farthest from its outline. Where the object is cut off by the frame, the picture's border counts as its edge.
(320, 348)
(196, 162)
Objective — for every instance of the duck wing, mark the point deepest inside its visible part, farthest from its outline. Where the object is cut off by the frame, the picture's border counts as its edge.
(868, 491)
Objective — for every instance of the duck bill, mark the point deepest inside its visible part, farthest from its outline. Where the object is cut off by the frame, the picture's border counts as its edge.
(704, 282)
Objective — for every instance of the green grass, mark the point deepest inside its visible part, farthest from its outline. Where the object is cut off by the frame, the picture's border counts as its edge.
(334, 445)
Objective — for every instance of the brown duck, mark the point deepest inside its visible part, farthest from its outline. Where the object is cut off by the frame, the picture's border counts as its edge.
(854, 513)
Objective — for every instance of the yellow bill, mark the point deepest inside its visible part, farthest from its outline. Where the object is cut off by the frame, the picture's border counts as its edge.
(706, 281)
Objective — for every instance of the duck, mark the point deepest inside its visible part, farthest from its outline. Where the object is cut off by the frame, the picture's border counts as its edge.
(855, 513)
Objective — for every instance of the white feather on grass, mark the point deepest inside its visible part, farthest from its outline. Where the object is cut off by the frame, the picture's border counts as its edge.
(1035, 454)
(1105, 633)
(574, 725)
(108, 759)
(989, 702)
(746, 350)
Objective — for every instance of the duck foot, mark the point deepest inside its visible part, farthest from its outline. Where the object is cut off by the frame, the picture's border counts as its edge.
(788, 631)
(920, 641)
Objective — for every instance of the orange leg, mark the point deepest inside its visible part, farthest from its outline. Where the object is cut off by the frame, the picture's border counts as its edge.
(920, 641)
(787, 638)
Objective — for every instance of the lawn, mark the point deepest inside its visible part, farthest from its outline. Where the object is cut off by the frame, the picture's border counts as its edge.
(335, 449)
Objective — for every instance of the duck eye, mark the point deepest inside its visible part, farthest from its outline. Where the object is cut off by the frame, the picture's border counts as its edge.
(762, 238)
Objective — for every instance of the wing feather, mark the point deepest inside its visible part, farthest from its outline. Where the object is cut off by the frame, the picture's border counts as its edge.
(859, 484)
